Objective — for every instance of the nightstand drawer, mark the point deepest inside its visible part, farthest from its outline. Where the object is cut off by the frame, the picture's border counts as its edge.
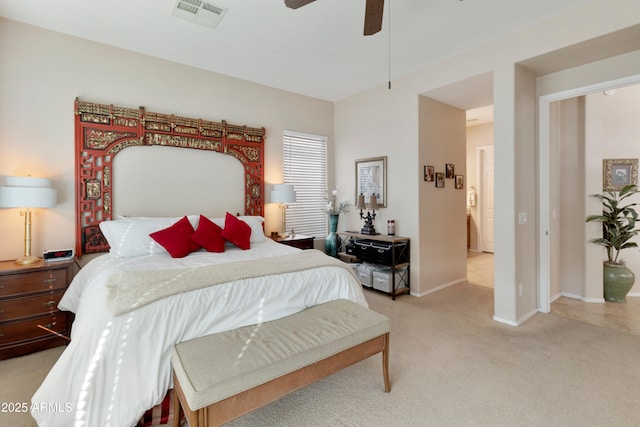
(36, 281)
(20, 331)
(18, 308)
(29, 296)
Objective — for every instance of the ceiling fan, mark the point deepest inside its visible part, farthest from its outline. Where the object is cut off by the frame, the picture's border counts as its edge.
(372, 14)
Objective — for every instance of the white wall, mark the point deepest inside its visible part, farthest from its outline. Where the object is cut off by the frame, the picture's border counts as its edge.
(42, 72)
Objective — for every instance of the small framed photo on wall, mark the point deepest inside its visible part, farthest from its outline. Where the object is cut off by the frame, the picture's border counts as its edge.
(439, 179)
(618, 173)
(429, 173)
(450, 169)
(459, 182)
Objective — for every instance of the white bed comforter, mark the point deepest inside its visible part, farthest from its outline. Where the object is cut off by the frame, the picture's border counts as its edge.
(117, 367)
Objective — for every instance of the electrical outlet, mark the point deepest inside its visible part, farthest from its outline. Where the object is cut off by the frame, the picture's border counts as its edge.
(520, 289)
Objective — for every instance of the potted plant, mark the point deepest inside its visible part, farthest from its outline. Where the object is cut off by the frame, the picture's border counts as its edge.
(618, 228)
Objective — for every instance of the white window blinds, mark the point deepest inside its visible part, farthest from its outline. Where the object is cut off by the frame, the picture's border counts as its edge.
(305, 166)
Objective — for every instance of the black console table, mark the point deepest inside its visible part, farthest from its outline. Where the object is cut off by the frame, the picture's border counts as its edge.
(394, 252)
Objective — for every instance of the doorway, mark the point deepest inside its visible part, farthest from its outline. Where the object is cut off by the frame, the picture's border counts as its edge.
(480, 196)
(547, 205)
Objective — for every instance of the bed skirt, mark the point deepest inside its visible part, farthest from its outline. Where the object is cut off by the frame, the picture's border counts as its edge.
(161, 414)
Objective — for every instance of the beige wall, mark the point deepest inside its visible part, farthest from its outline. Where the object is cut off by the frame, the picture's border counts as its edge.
(442, 140)
(42, 72)
(567, 164)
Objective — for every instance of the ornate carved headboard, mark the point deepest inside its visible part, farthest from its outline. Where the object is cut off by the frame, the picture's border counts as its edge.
(102, 131)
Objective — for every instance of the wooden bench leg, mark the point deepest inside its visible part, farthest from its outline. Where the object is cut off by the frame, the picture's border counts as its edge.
(177, 409)
(385, 364)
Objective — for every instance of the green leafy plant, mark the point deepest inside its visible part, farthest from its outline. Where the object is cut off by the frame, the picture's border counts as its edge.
(618, 222)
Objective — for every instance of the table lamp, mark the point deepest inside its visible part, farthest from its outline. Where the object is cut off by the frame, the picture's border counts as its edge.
(283, 194)
(27, 193)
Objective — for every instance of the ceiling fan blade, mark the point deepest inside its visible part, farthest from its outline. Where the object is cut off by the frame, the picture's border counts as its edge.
(294, 4)
(373, 17)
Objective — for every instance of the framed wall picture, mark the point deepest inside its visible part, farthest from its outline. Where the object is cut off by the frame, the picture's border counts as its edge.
(619, 172)
(371, 178)
(450, 170)
(429, 173)
(459, 182)
(439, 179)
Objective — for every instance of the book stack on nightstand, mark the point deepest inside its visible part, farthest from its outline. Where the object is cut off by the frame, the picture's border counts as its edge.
(29, 315)
(296, 240)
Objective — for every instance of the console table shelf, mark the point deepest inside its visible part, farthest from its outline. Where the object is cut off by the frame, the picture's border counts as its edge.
(396, 257)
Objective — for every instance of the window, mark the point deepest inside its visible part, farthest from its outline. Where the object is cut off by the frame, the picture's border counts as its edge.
(305, 166)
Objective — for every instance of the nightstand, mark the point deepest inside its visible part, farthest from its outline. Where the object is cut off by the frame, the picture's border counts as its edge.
(29, 297)
(297, 241)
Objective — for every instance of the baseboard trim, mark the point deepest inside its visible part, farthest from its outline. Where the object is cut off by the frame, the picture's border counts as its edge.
(439, 288)
(581, 298)
(505, 321)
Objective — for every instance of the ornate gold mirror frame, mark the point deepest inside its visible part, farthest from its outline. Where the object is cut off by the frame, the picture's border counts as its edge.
(102, 131)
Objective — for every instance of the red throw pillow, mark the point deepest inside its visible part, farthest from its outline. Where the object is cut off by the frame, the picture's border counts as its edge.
(237, 231)
(208, 234)
(176, 239)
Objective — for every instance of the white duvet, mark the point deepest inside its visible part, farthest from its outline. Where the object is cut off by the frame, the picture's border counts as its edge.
(117, 367)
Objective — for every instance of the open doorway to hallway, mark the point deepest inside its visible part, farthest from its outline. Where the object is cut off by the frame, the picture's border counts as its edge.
(480, 196)
(480, 179)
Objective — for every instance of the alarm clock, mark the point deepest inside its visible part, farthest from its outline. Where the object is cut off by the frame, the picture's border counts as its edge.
(57, 255)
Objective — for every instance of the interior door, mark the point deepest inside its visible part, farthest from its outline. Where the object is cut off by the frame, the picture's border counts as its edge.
(487, 195)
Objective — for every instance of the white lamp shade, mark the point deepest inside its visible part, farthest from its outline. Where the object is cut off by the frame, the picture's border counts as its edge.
(283, 193)
(27, 192)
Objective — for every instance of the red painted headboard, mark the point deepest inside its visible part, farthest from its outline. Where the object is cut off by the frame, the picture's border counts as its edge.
(102, 131)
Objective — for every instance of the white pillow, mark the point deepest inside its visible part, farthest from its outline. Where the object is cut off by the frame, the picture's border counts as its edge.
(257, 232)
(255, 222)
(130, 236)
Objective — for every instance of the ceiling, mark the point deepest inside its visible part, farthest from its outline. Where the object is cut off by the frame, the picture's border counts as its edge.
(317, 50)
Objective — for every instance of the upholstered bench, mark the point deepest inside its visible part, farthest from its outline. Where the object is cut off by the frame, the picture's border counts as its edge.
(222, 376)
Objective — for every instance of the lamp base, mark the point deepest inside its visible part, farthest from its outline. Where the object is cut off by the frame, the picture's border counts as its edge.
(27, 260)
(368, 229)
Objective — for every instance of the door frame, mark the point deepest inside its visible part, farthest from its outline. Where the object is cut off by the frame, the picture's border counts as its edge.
(544, 210)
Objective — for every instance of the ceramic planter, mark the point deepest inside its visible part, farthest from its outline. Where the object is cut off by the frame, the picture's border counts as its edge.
(618, 281)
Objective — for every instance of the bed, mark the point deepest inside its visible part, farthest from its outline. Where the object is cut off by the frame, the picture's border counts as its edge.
(134, 302)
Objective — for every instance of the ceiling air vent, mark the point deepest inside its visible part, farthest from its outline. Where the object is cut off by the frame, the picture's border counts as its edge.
(200, 12)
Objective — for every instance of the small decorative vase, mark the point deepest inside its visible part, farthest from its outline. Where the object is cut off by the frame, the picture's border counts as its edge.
(332, 242)
(618, 281)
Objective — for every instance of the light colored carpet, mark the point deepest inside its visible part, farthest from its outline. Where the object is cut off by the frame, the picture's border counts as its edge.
(450, 365)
